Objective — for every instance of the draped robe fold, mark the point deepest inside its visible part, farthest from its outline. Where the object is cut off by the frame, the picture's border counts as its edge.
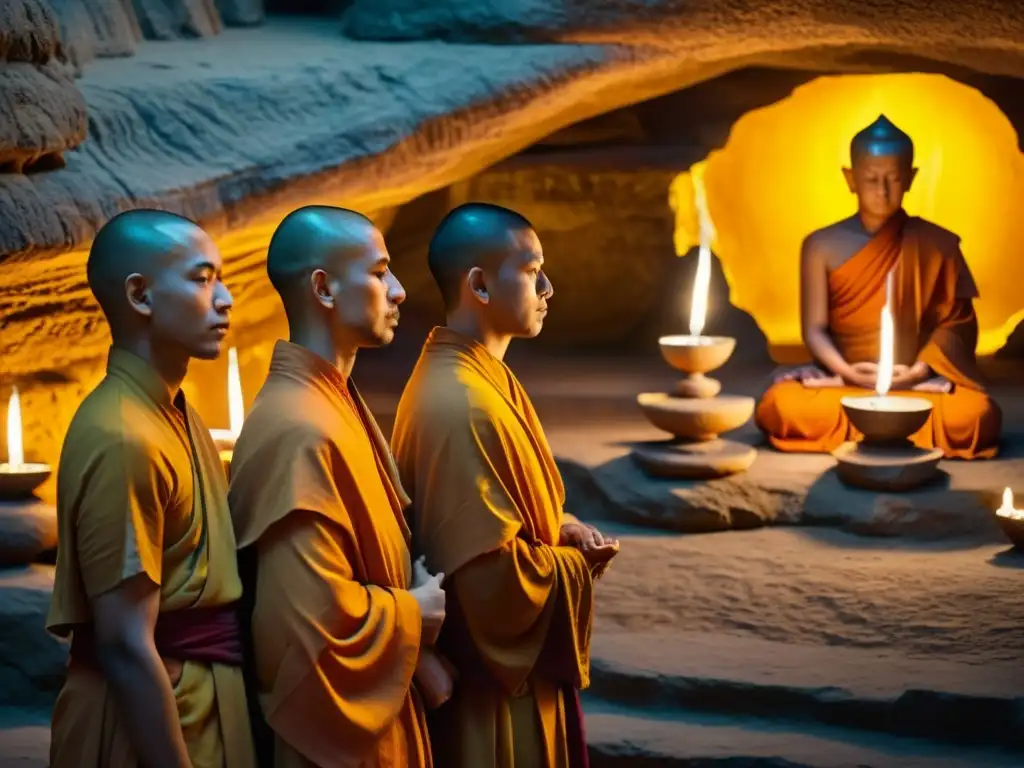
(934, 322)
(141, 491)
(335, 632)
(487, 511)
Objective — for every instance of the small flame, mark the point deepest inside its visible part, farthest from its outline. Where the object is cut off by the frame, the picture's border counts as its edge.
(15, 451)
(1007, 510)
(236, 408)
(702, 278)
(886, 343)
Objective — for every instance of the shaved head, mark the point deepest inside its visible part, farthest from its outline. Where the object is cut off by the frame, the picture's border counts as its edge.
(142, 241)
(158, 274)
(472, 235)
(331, 265)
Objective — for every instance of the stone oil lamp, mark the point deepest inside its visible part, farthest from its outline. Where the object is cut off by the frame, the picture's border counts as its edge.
(225, 439)
(694, 413)
(886, 460)
(1011, 520)
(18, 479)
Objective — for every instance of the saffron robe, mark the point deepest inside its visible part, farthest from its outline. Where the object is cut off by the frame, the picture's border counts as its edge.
(934, 322)
(335, 632)
(487, 511)
(140, 490)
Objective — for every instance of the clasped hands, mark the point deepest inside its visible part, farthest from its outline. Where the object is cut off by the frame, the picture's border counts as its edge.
(435, 676)
(917, 377)
(597, 549)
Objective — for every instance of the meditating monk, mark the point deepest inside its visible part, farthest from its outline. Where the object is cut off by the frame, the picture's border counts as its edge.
(147, 582)
(487, 500)
(843, 273)
(341, 617)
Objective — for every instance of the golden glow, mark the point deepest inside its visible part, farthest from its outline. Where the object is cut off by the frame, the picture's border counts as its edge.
(1007, 510)
(886, 344)
(778, 178)
(702, 278)
(15, 450)
(236, 407)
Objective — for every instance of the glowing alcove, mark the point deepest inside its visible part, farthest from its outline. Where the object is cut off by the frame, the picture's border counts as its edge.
(779, 177)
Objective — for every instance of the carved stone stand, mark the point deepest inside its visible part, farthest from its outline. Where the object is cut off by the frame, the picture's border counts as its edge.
(695, 415)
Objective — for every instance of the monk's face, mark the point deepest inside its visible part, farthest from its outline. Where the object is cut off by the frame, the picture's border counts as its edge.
(519, 291)
(880, 183)
(186, 302)
(366, 295)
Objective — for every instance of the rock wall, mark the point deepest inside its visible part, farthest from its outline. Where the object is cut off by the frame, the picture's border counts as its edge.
(43, 112)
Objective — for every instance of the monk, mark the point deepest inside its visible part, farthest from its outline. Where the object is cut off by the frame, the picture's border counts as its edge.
(843, 273)
(146, 583)
(341, 615)
(487, 501)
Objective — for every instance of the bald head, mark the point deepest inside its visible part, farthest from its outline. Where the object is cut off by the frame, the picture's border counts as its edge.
(472, 235)
(311, 238)
(330, 266)
(142, 241)
(157, 275)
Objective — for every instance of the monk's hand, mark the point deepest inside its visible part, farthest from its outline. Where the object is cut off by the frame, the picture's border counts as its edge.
(599, 557)
(435, 677)
(936, 385)
(581, 536)
(862, 375)
(909, 377)
(803, 374)
(431, 599)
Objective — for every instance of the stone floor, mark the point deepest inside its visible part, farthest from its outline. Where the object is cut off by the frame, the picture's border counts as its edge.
(863, 632)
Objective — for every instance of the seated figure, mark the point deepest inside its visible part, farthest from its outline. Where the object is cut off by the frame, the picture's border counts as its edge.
(843, 274)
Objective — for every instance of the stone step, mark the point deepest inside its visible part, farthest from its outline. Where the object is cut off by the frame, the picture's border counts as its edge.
(620, 738)
(867, 689)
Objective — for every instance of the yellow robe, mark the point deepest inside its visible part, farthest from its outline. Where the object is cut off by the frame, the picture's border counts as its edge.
(935, 323)
(487, 500)
(140, 490)
(336, 633)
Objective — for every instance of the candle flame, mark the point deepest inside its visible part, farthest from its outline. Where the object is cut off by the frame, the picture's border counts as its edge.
(1007, 510)
(702, 278)
(236, 408)
(15, 451)
(886, 344)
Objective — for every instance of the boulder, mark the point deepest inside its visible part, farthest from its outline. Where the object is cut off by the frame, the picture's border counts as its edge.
(27, 530)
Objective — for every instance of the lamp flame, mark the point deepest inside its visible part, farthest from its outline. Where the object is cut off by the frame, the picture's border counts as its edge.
(1007, 509)
(236, 408)
(15, 450)
(702, 278)
(886, 343)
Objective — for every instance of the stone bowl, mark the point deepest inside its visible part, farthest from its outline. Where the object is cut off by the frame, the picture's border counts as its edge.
(696, 354)
(1013, 527)
(693, 418)
(887, 419)
(21, 482)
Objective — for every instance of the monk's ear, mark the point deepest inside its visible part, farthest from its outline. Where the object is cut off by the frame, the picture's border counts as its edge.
(320, 284)
(137, 290)
(477, 286)
(850, 183)
(911, 176)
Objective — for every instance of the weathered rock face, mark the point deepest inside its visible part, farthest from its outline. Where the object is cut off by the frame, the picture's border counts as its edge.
(27, 530)
(32, 662)
(97, 28)
(43, 112)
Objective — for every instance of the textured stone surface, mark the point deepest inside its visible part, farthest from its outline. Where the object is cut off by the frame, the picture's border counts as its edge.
(27, 530)
(174, 19)
(31, 661)
(91, 28)
(704, 27)
(241, 13)
(43, 112)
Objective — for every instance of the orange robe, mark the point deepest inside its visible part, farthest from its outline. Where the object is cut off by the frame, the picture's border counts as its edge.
(934, 319)
(336, 633)
(140, 490)
(487, 500)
